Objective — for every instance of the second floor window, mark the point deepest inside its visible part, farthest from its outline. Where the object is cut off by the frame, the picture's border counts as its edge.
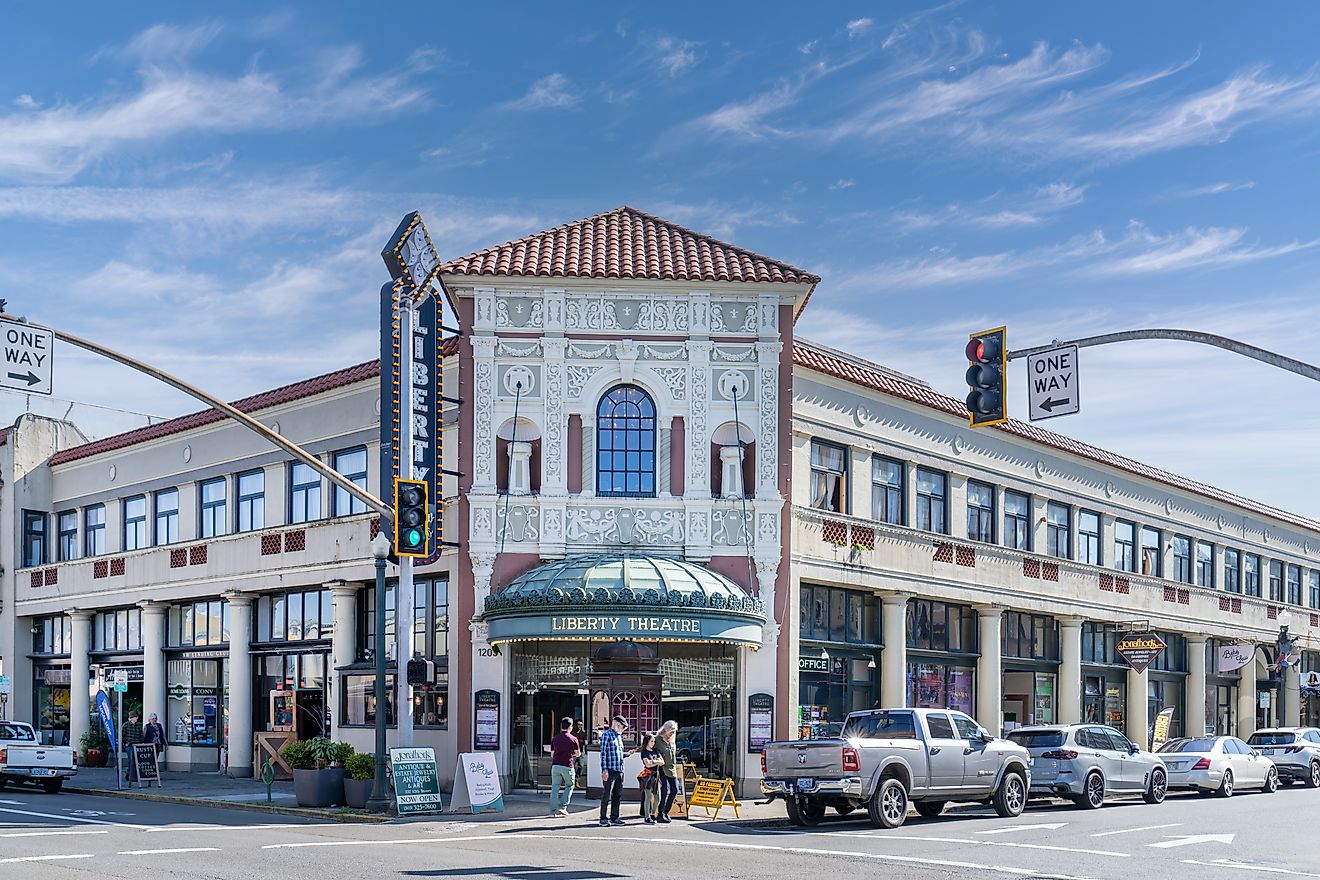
(829, 471)
(68, 535)
(1232, 570)
(352, 463)
(212, 508)
(1313, 589)
(1205, 564)
(1058, 529)
(932, 501)
(304, 493)
(887, 491)
(167, 516)
(1251, 575)
(94, 530)
(34, 538)
(251, 501)
(625, 443)
(1182, 559)
(1295, 584)
(135, 522)
(1125, 546)
(1276, 580)
(980, 512)
(1088, 537)
(1017, 521)
(1151, 546)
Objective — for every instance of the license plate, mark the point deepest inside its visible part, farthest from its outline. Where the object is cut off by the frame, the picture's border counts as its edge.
(1031, 762)
(806, 784)
(40, 772)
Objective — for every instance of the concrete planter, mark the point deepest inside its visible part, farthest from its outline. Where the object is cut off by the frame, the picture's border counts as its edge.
(319, 788)
(356, 792)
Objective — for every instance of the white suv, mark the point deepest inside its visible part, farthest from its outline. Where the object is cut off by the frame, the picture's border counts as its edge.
(1295, 751)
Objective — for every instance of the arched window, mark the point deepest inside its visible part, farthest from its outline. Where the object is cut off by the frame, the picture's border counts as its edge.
(625, 443)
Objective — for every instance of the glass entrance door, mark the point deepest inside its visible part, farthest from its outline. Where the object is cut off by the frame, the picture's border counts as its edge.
(539, 726)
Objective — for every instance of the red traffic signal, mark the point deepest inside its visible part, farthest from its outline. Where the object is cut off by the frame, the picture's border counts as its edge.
(987, 365)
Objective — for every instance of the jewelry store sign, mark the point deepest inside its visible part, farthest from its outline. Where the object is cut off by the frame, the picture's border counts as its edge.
(1140, 649)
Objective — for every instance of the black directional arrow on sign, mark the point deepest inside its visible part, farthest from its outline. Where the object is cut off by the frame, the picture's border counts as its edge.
(31, 378)
(1049, 403)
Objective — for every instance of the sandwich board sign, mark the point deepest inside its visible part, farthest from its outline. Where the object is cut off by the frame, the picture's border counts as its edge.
(416, 781)
(145, 763)
(477, 784)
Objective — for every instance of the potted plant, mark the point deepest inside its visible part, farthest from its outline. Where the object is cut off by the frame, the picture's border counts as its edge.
(95, 746)
(317, 781)
(361, 775)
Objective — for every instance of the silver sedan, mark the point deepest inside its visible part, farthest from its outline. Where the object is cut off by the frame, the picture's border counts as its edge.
(1219, 764)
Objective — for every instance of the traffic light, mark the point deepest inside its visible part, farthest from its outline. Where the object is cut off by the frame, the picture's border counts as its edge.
(412, 525)
(987, 359)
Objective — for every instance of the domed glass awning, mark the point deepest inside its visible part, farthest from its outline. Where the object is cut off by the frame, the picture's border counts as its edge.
(643, 598)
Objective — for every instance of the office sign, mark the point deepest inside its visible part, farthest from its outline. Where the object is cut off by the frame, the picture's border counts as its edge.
(1052, 383)
(28, 358)
(1140, 649)
(416, 781)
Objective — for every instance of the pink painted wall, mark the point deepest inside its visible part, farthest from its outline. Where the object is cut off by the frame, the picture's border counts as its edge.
(575, 453)
(786, 602)
(677, 457)
(460, 656)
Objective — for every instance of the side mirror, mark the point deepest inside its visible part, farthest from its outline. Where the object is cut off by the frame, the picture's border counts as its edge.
(983, 735)
(1133, 748)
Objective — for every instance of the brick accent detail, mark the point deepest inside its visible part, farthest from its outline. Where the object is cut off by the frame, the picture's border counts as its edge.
(1272, 613)
(944, 552)
(1031, 568)
(37, 579)
(1315, 620)
(1184, 597)
(1170, 594)
(965, 556)
(1236, 606)
(1122, 585)
(270, 545)
(375, 529)
(116, 567)
(1050, 571)
(197, 555)
(834, 532)
(53, 577)
(295, 541)
(1224, 603)
(1107, 582)
(178, 558)
(862, 536)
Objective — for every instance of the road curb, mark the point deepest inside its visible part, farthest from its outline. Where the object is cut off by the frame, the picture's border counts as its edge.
(333, 815)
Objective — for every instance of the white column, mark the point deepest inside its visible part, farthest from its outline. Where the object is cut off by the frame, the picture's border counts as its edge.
(240, 684)
(1039, 529)
(1069, 688)
(1291, 698)
(1137, 723)
(343, 650)
(957, 495)
(731, 471)
(893, 661)
(520, 468)
(80, 683)
(989, 669)
(1246, 721)
(153, 659)
(1194, 711)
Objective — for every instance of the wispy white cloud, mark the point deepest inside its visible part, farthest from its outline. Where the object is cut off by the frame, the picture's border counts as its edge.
(843, 183)
(1142, 252)
(1212, 189)
(674, 56)
(550, 92)
(1033, 208)
(859, 26)
(724, 220)
(162, 44)
(27, 102)
(808, 47)
(749, 118)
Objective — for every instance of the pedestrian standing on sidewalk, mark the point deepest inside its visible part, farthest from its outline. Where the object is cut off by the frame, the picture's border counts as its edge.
(564, 749)
(153, 733)
(580, 762)
(611, 770)
(667, 772)
(649, 779)
(130, 734)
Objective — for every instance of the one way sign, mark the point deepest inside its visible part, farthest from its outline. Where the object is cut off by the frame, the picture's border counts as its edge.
(1052, 383)
(28, 352)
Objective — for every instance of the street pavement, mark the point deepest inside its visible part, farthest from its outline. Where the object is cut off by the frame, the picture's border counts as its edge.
(76, 835)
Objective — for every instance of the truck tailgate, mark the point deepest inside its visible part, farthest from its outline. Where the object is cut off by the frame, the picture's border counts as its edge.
(39, 757)
(818, 757)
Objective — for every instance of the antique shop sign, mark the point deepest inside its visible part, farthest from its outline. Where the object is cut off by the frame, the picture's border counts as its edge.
(1140, 649)
(416, 781)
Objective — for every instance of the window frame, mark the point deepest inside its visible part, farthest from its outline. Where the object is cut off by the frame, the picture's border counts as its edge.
(1054, 531)
(1233, 573)
(93, 532)
(137, 524)
(647, 442)
(1293, 588)
(1313, 589)
(171, 517)
(1156, 569)
(1089, 549)
(841, 476)
(310, 489)
(1275, 570)
(211, 513)
(1125, 561)
(1203, 570)
(251, 503)
(1181, 550)
(38, 537)
(1248, 587)
(67, 551)
(984, 524)
(340, 496)
(1023, 521)
(887, 491)
(925, 502)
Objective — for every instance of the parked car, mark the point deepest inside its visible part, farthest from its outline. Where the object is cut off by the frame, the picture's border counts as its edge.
(1295, 752)
(24, 759)
(1087, 763)
(1219, 764)
(888, 758)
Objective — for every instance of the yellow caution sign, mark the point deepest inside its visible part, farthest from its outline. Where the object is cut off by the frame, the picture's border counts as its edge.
(714, 794)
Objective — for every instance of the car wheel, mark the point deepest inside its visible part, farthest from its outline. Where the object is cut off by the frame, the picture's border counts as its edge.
(685, 757)
(1313, 777)
(1271, 782)
(930, 809)
(1226, 786)
(812, 812)
(1011, 796)
(794, 812)
(1093, 793)
(1159, 787)
(888, 806)
(53, 786)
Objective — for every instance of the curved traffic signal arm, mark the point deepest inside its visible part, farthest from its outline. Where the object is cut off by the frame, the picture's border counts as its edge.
(987, 368)
(412, 526)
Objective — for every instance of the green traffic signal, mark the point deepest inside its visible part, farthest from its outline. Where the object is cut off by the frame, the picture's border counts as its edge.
(411, 519)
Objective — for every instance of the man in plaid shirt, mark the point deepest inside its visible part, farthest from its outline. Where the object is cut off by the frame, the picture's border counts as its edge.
(611, 770)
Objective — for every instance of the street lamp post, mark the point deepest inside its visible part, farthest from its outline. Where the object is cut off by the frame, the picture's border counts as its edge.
(1284, 647)
(379, 801)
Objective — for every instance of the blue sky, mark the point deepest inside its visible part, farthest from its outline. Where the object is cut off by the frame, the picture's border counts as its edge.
(209, 187)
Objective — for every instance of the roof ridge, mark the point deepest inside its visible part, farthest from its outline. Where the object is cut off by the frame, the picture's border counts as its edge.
(702, 235)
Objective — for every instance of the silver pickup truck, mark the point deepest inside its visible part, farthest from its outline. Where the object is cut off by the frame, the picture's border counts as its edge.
(23, 759)
(886, 758)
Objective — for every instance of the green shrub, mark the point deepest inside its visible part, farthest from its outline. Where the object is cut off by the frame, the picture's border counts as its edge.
(343, 751)
(361, 766)
(95, 737)
(299, 755)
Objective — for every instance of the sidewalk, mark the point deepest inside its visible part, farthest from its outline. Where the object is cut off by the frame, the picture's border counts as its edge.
(216, 790)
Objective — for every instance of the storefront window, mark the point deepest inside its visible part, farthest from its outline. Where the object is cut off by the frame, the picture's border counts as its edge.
(940, 686)
(307, 615)
(359, 703)
(198, 624)
(292, 691)
(1028, 698)
(830, 614)
(1103, 698)
(937, 626)
(1174, 656)
(1167, 693)
(829, 688)
(52, 635)
(192, 705)
(1030, 636)
(119, 630)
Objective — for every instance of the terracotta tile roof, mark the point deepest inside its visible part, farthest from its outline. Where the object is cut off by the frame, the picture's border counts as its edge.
(814, 356)
(625, 243)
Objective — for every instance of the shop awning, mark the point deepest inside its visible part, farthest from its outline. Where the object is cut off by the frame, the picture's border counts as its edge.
(642, 598)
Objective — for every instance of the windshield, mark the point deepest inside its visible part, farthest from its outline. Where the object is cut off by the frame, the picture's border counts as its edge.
(881, 725)
(1188, 745)
(1272, 739)
(15, 733)
(1038, 739)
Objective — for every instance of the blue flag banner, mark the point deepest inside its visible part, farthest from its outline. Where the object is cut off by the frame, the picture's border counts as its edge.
(103, 709)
